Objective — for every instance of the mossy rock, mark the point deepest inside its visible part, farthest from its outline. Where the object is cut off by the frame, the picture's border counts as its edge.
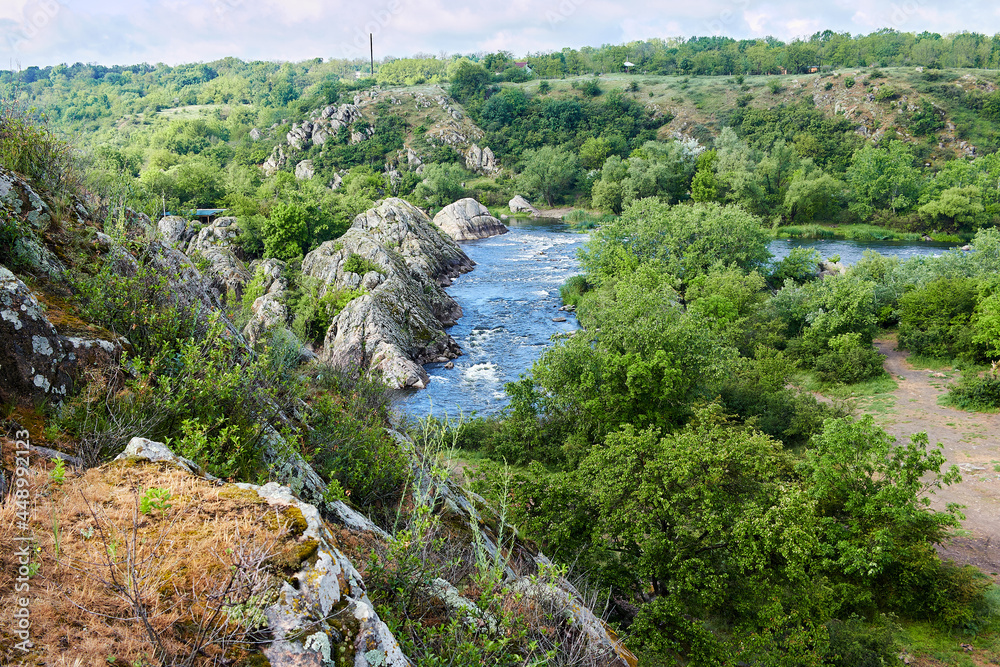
(297, 556)
(233, 492)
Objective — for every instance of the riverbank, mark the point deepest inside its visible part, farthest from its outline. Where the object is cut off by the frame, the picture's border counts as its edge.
(865, 233)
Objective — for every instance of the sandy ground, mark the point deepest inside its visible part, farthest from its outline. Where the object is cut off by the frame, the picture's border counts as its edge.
(971, 441)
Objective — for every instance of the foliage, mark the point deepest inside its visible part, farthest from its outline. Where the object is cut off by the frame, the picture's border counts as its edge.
(882, 178)
(348, 443)
(29, 147)
(682, 242)
(315, 306)
(936, 319)
(547, 172)
(355, 263)
(976, 392)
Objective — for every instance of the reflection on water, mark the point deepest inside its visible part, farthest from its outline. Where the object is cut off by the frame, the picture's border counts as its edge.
(512, 296)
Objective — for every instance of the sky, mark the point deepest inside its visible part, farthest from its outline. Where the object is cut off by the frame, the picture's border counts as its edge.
(125, 32)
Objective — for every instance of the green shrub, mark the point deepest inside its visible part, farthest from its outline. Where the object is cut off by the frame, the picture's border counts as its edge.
(935, 320)
(856, 643)
(976, 392)
(355, 263)
(801, 264)
(312, 313)
(138, 302)
(592, 88)
(774, 85)
(29, 148)
(849, 362)
(347, 438)
(849, 82)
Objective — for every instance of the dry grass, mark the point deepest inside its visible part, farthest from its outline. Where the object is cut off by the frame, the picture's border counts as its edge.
(115, 582)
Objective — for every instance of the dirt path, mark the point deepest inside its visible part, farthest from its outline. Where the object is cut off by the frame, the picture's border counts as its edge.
(971, 441)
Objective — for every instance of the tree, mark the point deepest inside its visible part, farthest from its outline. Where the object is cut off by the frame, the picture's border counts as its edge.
(442, 184)
(682, 242)
(549, 172)
(467, 79)
(956, 208)
(882, 177)
(285, 231)
(813, 195)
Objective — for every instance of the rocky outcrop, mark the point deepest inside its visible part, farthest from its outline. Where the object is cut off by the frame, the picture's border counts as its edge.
(37, 362)
(214, 244)
(23, 210)
(322, 612)
(521, 205)
(402, 262)
(481, 160)
(275, 162)
(468, 220)
(304, 170)
(268, 311)
(175, 231)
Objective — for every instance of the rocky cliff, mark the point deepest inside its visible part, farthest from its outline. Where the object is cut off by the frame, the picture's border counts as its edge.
(402, 261)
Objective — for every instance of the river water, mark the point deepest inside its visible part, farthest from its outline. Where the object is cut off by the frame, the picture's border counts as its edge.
(510, 300)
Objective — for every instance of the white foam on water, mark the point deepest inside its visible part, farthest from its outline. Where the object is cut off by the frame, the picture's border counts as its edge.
(485, 372)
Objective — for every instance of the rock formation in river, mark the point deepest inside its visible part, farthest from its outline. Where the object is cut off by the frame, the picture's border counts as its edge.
(468, 220)
(521, 205)
(401, 260)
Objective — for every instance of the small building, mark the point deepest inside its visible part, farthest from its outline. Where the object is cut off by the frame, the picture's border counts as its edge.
(812, 69)
(628, 66)
(523, 64)
(208, 215)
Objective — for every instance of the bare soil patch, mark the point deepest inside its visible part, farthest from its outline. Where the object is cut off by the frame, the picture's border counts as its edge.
(970, 440)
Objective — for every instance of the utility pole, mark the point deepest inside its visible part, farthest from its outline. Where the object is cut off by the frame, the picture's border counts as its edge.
(371, 46)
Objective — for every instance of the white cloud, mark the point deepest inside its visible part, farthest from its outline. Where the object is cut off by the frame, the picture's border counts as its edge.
(176, 31)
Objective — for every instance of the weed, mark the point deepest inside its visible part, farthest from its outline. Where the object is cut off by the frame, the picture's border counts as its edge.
(58, 473)
(155, 499)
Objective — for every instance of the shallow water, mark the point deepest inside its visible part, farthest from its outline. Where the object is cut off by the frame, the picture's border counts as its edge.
(512, 296)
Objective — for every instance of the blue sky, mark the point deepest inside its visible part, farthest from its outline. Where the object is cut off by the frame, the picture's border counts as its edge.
(108, 32)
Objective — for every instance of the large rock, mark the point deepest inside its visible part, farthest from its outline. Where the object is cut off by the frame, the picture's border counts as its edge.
(398, 324)
(37, 362)
(29, 214)
(468, 220)
(214, 243)
(275, 162)
(268, 311)
(175, 231)
(521, 205)
(481, 160)
(304, 170)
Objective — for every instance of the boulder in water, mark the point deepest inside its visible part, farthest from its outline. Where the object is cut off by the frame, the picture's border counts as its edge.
(468, 220)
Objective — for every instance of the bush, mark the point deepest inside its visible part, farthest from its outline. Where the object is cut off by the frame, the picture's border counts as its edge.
(312, 313)
(347, 438)
(29, 148)
(935, 320)
(573, 290)
(855, 643)
(355, 263)
(592, 88)
(849, 362)
(976, 392)
(849, 82)
(138, 302)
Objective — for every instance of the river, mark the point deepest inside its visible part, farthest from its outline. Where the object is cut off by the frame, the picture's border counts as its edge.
(510, 300)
